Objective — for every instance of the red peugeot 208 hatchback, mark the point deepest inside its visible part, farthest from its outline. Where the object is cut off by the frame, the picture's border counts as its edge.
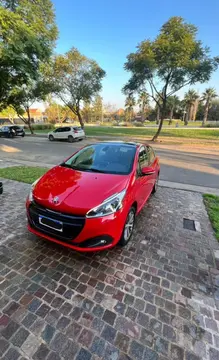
(90, 201)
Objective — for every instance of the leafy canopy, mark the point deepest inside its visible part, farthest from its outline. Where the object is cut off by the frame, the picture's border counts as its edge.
(79, 79)
(174, 59)
(27, 36)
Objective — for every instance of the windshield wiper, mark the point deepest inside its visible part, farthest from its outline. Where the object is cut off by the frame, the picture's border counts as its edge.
(82, 169)
(96, 170)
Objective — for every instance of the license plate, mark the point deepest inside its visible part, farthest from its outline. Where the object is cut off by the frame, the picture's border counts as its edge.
(51, 223)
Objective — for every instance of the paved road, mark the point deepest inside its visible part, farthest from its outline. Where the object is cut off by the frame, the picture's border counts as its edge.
(185, 167)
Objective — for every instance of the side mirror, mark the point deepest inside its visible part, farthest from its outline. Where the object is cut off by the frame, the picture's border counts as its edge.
(148, 171)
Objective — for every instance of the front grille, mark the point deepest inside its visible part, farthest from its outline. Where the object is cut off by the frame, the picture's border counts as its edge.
(72, 224)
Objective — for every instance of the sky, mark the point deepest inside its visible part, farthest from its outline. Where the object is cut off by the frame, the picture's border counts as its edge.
(108, 30)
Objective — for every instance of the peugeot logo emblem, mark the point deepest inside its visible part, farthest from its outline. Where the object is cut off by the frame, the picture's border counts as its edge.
(56, 200)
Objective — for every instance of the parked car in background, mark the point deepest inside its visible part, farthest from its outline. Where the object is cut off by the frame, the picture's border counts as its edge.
(7, 131)
(90, 201)
(19, 130)
(69, 133)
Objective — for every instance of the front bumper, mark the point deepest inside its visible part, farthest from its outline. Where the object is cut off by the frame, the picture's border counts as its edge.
(85, 235)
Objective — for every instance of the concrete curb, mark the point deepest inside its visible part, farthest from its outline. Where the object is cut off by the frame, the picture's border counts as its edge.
(162, 183)
(188, 187)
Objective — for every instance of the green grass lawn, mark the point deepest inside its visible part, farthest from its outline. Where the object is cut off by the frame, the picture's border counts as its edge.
(24, 174)
(212, 206)
(179, 133)
(205, 134)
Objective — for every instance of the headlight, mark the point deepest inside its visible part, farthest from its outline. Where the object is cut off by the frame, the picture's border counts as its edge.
(31, 190)
(109, 206)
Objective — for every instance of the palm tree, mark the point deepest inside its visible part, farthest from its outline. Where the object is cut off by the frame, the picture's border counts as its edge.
(190, 99)
(143, 102)
(129, 105)
(172, 103)
(208, 96)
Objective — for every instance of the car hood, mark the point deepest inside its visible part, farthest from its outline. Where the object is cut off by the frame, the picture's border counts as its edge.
(77, 191)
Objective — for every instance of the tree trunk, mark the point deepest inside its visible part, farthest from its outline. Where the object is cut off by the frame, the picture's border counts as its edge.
(171, 116)
(195, 110)
(163, 111)
(186, 120)
(80, 119)
(158, 115)
(29, 121)
(205, 118)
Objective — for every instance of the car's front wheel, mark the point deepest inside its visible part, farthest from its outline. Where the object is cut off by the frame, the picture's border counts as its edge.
(51, 137)
(128, 228)
(155, 185)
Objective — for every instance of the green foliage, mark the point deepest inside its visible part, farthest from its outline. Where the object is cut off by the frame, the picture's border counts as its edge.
(129, 107)
(175, 57)
(79, 79)
(143, 101)
(98, 108)
(207, 97)
(212, 206)
(27, 36)
(24, 174)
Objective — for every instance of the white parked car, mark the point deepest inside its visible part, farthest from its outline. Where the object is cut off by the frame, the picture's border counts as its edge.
(69, 133)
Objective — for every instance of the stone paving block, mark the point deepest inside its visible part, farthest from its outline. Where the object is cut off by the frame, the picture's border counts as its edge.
(155, 299)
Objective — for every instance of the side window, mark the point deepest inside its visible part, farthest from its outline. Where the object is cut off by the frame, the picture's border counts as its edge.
(143, 160)
(67, 129)
(57, 130)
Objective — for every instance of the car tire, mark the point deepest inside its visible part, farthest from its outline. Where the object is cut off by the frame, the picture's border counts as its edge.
(51, 138)
(23, 135)
(70, 138)
(155, 185)
(128, 227)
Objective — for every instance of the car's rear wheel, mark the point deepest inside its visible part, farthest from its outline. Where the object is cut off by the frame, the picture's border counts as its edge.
(51, 138)
(70, 138)
(155, 185)
(128, 228)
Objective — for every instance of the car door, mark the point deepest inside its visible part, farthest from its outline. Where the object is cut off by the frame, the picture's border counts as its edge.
(142, 184)
(153, 166)
(56, 133)
(66, 131)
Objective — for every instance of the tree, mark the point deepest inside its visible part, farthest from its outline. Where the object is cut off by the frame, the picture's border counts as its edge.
(175, 58)
(98, 108)
(57, 113)
(129, 105)
(143, 101)
(8, 113)
(27, 37)
(79, 80)
(208, 96)
(190, 99)
(172, 103)
(21, 99)
(87, 112)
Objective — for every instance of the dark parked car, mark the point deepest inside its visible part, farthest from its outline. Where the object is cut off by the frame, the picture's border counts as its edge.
(19, 131)
(7, 131)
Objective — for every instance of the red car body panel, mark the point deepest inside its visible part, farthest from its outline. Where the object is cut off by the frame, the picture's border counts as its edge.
(74, 189)
(80, 191)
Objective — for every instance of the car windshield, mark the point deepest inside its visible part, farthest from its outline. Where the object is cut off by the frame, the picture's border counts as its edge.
(104, 158)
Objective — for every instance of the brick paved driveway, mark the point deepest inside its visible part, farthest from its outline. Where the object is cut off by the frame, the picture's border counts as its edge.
(156, 299)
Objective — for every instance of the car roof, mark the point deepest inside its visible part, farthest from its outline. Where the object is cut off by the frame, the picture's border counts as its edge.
(120, 142)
